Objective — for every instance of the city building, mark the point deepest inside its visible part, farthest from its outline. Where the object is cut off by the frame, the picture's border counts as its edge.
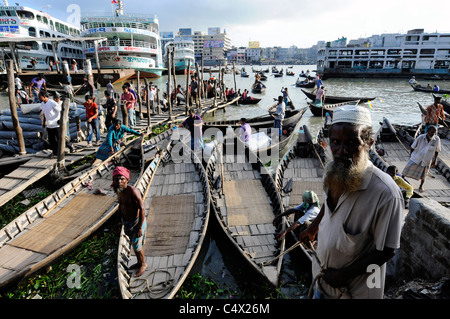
(387, 55)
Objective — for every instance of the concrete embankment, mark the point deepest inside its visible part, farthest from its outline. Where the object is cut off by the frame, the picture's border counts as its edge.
(425, 244)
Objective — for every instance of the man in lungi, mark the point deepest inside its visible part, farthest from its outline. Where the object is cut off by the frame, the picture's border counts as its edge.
(359, 225)
(423, 155)
(131, 207)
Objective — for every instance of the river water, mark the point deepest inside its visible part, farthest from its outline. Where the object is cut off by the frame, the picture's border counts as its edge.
(395, 100)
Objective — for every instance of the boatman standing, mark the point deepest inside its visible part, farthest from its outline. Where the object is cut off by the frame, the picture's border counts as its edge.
(131, 208)
(359, 225)
(434, 113)
(279, 114)
(424, 153)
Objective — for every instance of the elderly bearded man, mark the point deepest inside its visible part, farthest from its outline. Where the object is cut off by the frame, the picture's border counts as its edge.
(359, 224)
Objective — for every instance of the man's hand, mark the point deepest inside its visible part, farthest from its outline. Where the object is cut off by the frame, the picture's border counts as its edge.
(334, 277)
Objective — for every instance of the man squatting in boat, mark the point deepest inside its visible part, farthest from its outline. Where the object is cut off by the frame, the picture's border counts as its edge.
(358, 227)
(131, 207)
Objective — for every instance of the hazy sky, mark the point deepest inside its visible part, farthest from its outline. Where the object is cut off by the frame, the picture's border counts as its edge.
(276, 22)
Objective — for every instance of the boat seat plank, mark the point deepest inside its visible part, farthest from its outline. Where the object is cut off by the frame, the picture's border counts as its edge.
(65, 225)
(169, 223)
(16, 259)
(247, 203)
(299, 187)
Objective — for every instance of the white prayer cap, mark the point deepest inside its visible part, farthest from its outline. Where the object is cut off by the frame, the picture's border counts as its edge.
(354, 114)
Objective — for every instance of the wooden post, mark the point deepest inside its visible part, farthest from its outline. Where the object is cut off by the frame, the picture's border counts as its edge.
(138, 88)
(174, 71)
(64, 118)
(202, 86)
(234, 77)
(147, 101)
(188, 94)
(54, 48)
(222, 84)
(198, 84)
(158, 100)
(169, 75)
(90, 76)
(97, 60)
(12, 105)
(12, 48)
(66, 72)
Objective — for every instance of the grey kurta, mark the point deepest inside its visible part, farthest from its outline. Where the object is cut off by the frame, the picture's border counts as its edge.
(364, 220)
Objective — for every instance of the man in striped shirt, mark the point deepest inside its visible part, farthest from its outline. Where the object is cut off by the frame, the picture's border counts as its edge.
(435, 112)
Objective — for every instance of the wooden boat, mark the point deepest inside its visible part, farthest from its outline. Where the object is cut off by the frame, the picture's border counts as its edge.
(322, 110)
(338, 99)
(265, 121)
(305, 84)
(258, 87)
(278, 75)
(64, 219)
(290, 73)
(420, 88)
(262, 76)
(244, 75)
(275, 70)
(177, 204)
(249, 101)
(245, 201)
(266, 142)
(77, 89)
(301, 168)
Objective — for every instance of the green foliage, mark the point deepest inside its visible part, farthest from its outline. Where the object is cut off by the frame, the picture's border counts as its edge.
(199, 287)
(96, 258)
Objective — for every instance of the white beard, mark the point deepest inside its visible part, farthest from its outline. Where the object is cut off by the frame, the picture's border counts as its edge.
(347, 178)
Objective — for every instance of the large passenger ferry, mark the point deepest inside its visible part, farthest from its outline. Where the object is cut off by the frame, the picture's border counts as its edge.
(133, 40)
(18, 22)
(388, 55)
(183, 56)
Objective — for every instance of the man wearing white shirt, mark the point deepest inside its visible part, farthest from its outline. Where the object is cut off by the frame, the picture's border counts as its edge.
(424, 153)
(52, 114)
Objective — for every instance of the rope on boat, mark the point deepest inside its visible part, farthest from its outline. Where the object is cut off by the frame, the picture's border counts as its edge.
(161, 288)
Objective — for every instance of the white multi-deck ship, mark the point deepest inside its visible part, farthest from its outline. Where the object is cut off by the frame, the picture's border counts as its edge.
(133, 41)
(19, 22)
(388, 55)
(183, 56)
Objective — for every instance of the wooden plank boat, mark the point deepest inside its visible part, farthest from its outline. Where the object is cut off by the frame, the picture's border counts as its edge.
(305, 84)
(258, 87)
(322, 110)
(248, 101)
(177, 204)
(264, 121)
(338, 99)
(244, 205)
(301, 168)
(420, 88)
(64, 219)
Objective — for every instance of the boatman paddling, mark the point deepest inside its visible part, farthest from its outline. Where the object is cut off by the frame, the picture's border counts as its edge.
(131, 208)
